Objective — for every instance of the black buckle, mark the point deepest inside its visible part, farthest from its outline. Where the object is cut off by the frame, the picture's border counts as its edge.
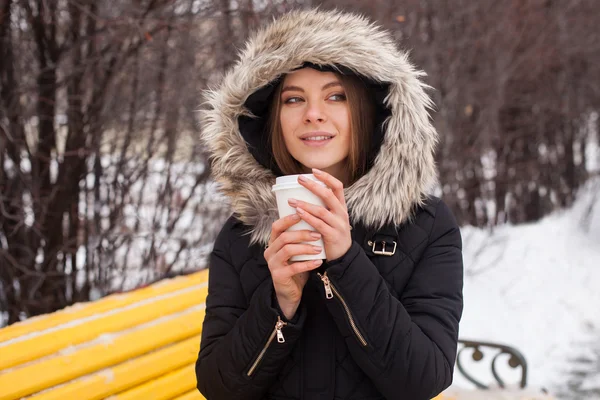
(383, 251)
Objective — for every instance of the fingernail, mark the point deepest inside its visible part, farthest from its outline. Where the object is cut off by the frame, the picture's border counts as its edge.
(295, 216)
(317, 249)
(302, 178)
(317, 171)
(292, 202)
(315, 235)
(300, 211)
(318, 262)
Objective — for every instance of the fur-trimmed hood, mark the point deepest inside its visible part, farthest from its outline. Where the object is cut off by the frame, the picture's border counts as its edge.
(402, 171)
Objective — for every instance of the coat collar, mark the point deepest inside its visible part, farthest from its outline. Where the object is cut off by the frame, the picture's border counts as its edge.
(403, 171)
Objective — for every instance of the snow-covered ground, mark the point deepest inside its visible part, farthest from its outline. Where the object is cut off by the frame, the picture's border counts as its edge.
(537, 287)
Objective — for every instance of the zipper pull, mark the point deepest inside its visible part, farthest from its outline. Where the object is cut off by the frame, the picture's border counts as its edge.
(328, 291)
(280, 324)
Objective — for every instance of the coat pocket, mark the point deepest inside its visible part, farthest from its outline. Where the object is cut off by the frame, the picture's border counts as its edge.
(280, 339)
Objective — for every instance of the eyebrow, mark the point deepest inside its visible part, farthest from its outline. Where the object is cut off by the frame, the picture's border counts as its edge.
(299, 89)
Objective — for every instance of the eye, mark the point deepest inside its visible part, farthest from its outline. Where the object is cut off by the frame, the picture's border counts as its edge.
(292, 100)
(339, 96)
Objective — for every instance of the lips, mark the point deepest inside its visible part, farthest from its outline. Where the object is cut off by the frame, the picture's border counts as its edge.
(318, 141)
(316, 134)
(318, 138)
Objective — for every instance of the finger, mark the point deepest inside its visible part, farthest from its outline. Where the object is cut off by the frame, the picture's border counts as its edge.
(288, 238)
(295, 237)
(281, 258)
(330, 200)
(304, 266)
(336, 186)
(280, 226)
(295, 268)
(320, 212)
(317, 223)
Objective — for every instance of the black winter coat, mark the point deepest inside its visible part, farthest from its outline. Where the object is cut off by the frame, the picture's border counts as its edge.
(387, 330)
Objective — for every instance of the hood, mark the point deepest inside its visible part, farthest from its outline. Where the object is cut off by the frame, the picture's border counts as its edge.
(402, 169)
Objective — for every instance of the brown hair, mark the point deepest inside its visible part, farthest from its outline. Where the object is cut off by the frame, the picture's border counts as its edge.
(362, 117)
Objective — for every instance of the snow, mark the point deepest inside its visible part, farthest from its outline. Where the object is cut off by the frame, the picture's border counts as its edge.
(592, 147)
(535, 287)
(155, 234)
(591, 383)
(106, 339)
(108, 375)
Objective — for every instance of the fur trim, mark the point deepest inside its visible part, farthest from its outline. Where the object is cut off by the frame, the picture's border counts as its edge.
(404, 170)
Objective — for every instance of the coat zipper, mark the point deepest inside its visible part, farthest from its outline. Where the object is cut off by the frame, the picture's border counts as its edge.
(330, 290)
(280, 339)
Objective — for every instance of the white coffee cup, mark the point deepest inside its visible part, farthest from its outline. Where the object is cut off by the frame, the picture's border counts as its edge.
(287, 187)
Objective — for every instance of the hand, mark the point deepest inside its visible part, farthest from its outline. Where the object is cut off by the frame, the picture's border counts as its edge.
(289, 278)
(332, 222)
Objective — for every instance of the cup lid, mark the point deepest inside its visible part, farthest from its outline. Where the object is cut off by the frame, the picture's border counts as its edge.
(291, 181)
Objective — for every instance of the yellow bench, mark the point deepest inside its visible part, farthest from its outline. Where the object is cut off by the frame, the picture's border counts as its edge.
(139, 345)
(136, 345)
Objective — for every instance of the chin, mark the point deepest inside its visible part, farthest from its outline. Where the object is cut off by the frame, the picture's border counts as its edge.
(319, 164)
(322, 161)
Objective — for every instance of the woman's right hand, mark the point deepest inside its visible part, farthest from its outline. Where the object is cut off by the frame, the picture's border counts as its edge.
(289, 278)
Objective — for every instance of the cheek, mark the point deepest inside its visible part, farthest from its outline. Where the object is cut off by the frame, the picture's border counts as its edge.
(347, 134)
(344, 125)
(288, 125)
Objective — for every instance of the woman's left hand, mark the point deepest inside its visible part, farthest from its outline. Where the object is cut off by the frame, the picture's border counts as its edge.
(332, 222)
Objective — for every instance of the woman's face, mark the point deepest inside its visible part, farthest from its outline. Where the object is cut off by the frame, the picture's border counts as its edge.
(315, 120)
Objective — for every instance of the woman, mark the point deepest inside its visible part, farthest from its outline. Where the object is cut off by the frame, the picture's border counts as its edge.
(378, 319)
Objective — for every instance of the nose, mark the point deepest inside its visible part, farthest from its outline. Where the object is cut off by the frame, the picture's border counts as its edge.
(314, 113)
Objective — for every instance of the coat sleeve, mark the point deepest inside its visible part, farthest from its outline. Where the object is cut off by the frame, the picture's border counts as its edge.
(411, 342)
(236, 332)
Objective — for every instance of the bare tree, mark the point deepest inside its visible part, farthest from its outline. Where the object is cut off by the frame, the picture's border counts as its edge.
(97, 134)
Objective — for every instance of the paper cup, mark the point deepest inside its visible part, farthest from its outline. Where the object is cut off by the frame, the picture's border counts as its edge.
(287, 187)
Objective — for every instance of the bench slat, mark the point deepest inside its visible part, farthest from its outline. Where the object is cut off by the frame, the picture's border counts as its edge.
(174, 384)
(127, 375)
(191, 395)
